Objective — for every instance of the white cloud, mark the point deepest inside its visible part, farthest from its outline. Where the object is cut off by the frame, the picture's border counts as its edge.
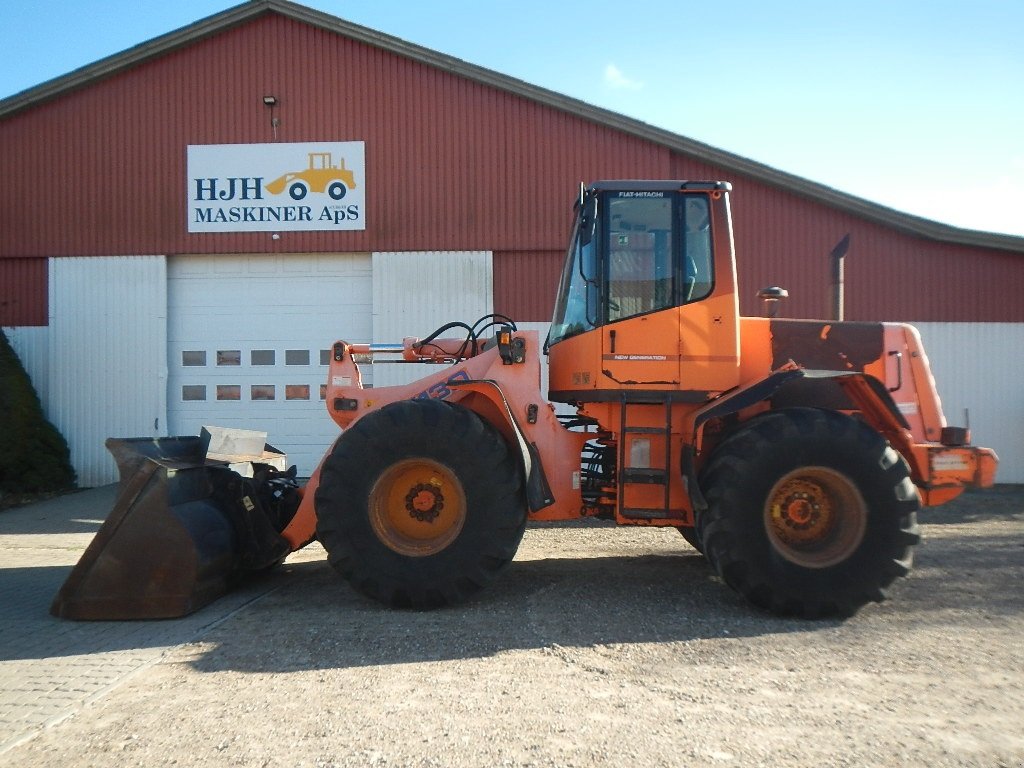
(614, 78)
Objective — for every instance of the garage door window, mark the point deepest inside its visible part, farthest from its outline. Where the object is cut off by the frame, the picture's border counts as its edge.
(296, 392)
(262, 392)
(262, 357)
(229, 392)
(193, 392)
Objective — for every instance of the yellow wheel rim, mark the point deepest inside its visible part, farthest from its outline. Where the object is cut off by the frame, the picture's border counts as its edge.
(417, 507)
(815, 517)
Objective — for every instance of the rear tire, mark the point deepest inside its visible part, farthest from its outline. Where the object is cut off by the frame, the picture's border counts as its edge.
(810, 513)
(420, 504)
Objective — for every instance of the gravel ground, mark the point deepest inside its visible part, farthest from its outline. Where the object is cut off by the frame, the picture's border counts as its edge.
(598, 647)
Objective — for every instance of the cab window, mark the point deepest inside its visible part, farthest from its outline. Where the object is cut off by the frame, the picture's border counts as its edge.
(697, 263)
(657, 252)
(639, 256)
(633, 252)
(577, 306)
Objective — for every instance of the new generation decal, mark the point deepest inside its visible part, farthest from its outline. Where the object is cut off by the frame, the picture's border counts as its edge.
(276, 187)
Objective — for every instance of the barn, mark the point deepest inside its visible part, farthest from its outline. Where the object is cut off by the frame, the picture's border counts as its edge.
(186, 227)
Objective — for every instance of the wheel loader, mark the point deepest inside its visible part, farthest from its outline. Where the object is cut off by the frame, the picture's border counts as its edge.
(794, 454)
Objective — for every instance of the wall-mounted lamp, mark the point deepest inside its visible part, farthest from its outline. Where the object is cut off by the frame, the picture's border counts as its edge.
(270, 101)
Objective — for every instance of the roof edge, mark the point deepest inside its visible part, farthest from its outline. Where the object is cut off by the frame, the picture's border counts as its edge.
(117, 62)
(890, 217)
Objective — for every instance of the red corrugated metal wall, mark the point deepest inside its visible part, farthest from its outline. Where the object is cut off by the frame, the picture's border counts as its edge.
(525, 283)
(23, 292)
(452, 164)
(783, 239)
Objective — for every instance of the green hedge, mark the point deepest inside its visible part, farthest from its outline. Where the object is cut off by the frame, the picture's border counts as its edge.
(34, 456)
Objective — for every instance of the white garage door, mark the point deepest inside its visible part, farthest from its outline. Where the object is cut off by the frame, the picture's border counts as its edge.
(248, 339)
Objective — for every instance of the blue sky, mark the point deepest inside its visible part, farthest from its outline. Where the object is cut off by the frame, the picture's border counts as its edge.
(917, 105)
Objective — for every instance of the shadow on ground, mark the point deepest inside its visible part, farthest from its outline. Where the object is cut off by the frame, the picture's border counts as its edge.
(28, 631)
(304, 616)
(316, 621)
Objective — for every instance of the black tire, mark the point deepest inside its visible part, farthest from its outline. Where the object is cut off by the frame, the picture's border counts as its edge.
(420, 504)
(297, 191)
(337, 190)
(692, 538)
(810, 513)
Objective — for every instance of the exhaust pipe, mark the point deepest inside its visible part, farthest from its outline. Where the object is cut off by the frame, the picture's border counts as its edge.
(837, 257)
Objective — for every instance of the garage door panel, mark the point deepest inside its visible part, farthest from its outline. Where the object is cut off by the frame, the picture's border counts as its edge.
(341, 290)
(268, 330)
(254, 297)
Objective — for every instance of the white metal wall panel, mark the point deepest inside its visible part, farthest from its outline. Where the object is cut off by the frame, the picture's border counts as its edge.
(107, 355)
(415, 292)
(976, 367)
(31, 345)
(246, 339)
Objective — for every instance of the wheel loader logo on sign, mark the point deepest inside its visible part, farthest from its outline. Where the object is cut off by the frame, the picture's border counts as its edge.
(322, 176)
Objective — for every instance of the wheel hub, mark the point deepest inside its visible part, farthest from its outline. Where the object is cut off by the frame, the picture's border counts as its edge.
(804, 508)
(417, 507)
(815, 517)
(424, 502)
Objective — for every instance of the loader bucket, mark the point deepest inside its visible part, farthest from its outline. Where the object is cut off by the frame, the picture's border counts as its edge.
(166, 549)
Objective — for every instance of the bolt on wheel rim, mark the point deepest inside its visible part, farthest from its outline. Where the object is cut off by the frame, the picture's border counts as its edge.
(417, 507)
(815, 517)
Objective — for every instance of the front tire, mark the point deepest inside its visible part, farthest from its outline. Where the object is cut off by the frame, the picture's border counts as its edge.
(420, 504)
(692, 537)
(810, 513)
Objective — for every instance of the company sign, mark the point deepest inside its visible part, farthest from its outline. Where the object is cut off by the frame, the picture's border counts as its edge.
(276, 187)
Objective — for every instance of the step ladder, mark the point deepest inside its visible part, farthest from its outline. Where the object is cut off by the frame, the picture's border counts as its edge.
(633, 476)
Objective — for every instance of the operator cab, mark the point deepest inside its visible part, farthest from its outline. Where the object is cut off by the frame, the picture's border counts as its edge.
(643, 305)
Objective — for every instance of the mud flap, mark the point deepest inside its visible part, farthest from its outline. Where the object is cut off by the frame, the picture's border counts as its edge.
(176, 539)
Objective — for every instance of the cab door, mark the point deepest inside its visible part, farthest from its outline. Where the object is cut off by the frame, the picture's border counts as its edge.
(670, 314)
(643, 278)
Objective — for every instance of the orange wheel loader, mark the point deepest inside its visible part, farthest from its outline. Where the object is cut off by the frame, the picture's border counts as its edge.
(794, 454)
